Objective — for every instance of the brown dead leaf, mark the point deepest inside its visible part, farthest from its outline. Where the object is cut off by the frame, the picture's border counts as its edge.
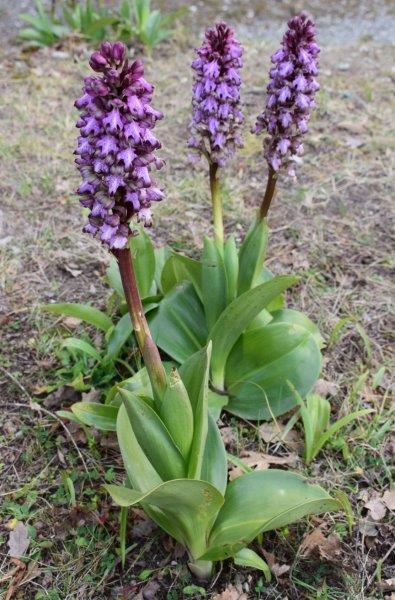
(18, 541)
(389, 499)
(258, 461)
(272, 433)
(326, 388)
(231, 593)
(327, 547)
(72, 269)
(376, 509)
(276, 568)
(71, 322)
(228, 436)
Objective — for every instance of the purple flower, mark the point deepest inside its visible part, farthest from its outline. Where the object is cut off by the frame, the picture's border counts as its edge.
(216, 119)
(116, 147)
(291, 92)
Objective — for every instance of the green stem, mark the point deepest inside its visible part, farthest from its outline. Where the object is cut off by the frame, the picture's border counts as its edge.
(148, 348)
(269, 193)
(217, 205)
(202, 569)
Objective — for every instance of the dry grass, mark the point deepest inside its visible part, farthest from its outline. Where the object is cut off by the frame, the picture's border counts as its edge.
(333, 227)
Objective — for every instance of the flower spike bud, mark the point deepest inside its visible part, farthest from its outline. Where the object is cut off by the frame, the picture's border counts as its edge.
(291, 92)
(116, 147)
(217, 118)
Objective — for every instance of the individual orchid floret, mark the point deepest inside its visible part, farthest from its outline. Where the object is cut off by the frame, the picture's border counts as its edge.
(291, 92)
(116, 147)
(216, 120)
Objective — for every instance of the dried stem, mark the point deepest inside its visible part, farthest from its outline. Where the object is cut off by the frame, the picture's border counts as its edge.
(148, 348)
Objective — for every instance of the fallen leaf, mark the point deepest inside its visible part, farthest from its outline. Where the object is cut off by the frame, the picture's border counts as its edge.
(72, 269)
(327, 547)
(326, 388)
(376, 509)
(258, 461)
(231, 593)
(272, 433)
(18, 541)
(387, 585)
(276, 568)
(228, 436)
(389, 499)
(71, 322)
(367, 528)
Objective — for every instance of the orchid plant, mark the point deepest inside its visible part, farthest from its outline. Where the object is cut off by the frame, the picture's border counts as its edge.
(230, 296)
(173, 453)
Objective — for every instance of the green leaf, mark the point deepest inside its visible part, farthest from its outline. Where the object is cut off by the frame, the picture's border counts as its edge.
(139, 383)
(194, 374)
(143, 260)
(214, 465)
(216, 402)
(84, 312)
(119, 336)
(315, 414)
(262, 501)
(214, 284)
(179, 268)
(82, 346)
(235, 319)
(153, 437)
(140, 471)
(337, 425)
(248, 558)
(252, 255)
(189, 505)
(94, 414)
(114, 278)
(176, 413)
(162, 254)
(179, 326)
(261, 363)
(295, 317)
(231, 262)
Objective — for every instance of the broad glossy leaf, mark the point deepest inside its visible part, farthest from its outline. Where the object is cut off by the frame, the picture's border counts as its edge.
(179, 268)
(114, 278)
(119, 336)
(214, 284)
(262, 501)
(94, 414)
(162, 254)
(216, 402)
(248, 558)
(262, 362)
(82, 346)
(252, 255)
(295, 317)
(143, 260)
(176, 413)
(153, 437)
(179, 326)
(139, 383)
(231, 262)
(235, 319)
(84, 312)
(278, 302)
(140, 471)
(194, 373)
(214, 466)
(190, 505)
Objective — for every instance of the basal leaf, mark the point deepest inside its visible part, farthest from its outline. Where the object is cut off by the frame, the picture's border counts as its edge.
(262, 501)
(84, 312)
(179, 268)
(235, 319)
(119, 336)
(94, 414)
(143, 260)
(178, 326)
(214, 283)
(248, 558)
(262, 362)
(153, 437)
(176, 413)
(252, 255)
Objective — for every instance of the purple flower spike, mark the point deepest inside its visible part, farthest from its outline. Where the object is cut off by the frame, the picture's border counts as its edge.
(116, 147)
(291, 92)
(214, 129)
